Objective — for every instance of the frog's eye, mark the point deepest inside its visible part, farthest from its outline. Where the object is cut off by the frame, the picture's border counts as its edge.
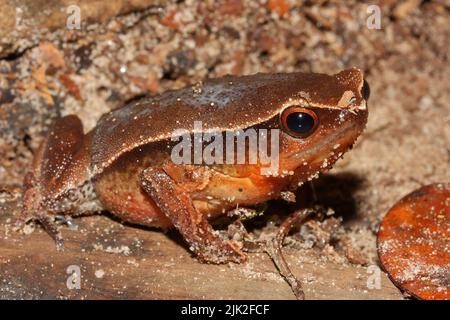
(365, 91)
(299, 122)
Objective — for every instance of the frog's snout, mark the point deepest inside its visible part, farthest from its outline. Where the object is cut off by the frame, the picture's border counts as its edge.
(361, 118)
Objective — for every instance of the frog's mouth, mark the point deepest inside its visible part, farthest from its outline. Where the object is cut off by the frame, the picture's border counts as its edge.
(327, 150)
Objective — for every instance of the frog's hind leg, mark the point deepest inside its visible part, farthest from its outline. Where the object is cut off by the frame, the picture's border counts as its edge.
(49, 166)
(273, 249)
(176, 204)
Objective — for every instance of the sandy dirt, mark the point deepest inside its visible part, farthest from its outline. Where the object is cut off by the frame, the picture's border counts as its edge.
(125, 53)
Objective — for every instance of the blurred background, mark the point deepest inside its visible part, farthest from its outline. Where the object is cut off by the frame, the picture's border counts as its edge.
(85, 57)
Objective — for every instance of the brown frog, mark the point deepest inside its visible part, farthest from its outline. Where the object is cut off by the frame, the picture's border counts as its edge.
(126, 163)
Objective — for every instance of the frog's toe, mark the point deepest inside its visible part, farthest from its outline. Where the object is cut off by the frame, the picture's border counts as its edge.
(227, 252)
(20, 223)
(59, 241)
(49, 224)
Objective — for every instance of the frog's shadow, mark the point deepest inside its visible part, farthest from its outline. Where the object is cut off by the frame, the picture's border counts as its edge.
(335, 191)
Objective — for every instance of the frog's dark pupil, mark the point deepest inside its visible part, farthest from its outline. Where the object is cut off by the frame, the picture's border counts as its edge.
(300, 122)
(365, 91)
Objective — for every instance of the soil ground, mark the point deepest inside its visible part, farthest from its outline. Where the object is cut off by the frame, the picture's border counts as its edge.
(124, 51)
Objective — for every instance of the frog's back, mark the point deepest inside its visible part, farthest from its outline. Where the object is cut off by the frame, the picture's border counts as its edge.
(226, 103)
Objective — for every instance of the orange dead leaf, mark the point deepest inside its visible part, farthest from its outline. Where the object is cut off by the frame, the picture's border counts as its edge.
(40, 84)
(231, 7)
(279, 6)
(413, 242)
(71, 86)
(169, 20)
(50, 55)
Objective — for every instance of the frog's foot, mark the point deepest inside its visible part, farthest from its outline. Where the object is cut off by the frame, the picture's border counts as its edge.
(47, 221)
(50, 225)
(273, 249)
(237, 231)
(32, 211)
(176, 204)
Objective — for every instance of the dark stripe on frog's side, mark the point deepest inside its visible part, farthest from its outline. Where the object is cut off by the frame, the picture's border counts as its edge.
(227, 103)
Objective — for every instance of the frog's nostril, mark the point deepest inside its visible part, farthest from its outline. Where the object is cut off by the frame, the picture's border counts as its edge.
(365, 91)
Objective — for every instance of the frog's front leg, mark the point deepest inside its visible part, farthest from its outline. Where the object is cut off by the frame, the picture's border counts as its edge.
(176, 203)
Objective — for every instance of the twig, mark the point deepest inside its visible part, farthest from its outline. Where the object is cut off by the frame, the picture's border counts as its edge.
(273, 249)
